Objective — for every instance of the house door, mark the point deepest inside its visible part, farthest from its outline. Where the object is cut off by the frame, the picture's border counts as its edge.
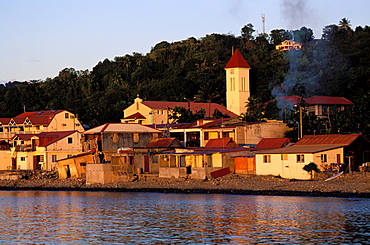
(146, 164)
(14, 163)
(36, 165)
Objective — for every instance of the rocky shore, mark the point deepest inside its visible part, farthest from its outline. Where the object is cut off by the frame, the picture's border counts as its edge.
(348, 185)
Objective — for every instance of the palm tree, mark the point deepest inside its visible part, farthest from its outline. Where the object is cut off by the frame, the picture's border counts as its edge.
(344, 24)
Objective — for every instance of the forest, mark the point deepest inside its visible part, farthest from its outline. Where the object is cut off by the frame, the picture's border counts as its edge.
(337, 64)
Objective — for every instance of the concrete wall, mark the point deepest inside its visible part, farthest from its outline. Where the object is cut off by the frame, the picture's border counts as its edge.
(99, 173)
(251, 134)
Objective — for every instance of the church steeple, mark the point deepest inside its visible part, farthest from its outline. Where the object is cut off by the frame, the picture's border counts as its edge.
(237, 83)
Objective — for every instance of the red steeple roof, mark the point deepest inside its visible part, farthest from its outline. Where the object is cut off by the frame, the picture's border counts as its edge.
(237, 60)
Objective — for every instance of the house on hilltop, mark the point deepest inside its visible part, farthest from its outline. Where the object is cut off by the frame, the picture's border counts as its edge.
(317, 105)
(288, 45)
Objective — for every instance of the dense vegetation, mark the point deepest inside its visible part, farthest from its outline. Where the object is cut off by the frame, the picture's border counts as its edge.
(336, 65)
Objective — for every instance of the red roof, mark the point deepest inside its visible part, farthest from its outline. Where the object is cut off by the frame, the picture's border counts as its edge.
(46, 138)
(237, 60)
(226, 142)
(342, 139)
(36, 117)
(194, 106)
(272, 143)
(136, 115)
(327, 100)
(5, 121)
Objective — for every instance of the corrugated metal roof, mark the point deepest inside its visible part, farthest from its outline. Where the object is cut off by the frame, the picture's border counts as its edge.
(345, 139)
(122, 127)
(162, 142)
(296, 149)
(237, 61)
(327, 100)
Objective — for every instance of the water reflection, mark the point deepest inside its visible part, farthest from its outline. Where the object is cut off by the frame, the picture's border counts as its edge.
(43, 217)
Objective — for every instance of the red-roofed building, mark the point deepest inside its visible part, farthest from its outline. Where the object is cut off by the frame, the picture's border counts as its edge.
(328, 152)
(40, 151)
(317, 105)
(321, 105)
(157, 112)
(39, 121)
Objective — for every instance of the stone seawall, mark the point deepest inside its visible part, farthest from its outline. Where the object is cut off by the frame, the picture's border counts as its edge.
(348, 185)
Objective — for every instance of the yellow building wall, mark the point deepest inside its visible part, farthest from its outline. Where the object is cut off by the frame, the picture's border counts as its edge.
(331, 158)
(235, 95)
(5, 160)
(61, 123)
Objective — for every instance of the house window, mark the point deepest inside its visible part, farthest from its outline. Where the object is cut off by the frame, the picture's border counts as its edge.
(115, 138)
(23, 159)
(66, 115)
(324, 158)
(155, 159)
(54, 158)
(266, 158)
(206, 135)
(70, 140)
(136, 137)
(225, 134)
(300, 158)
(284, 157)
(41, 158)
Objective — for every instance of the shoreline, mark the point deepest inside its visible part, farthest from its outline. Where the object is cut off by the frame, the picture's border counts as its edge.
(351, 185)
(198, 191)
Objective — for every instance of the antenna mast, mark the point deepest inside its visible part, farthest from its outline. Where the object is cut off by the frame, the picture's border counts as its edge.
(263, 23)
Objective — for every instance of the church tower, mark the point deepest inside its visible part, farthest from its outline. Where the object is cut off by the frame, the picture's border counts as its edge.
(237, 83)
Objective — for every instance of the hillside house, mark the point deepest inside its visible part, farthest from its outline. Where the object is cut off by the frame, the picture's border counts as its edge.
(157, 112)
(317, 105)
(39, 121)
(288, 45)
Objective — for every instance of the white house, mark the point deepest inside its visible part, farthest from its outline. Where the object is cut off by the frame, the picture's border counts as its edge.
(288, 162)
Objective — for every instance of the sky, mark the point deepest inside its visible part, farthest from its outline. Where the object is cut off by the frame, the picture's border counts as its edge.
(39, 38)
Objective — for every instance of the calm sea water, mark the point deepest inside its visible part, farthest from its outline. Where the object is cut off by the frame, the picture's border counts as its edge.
(45, 217)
